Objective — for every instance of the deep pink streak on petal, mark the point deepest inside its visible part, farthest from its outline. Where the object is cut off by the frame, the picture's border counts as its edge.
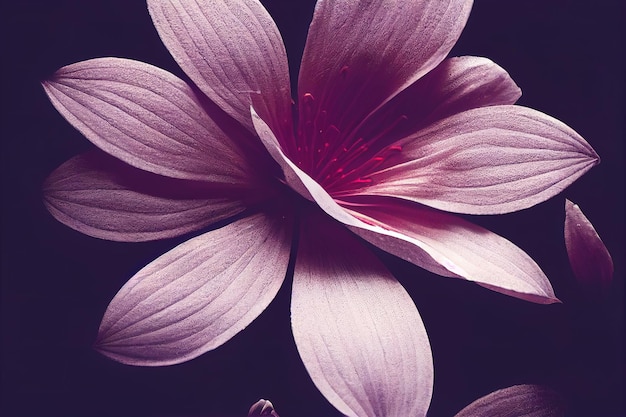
(588, 256)
(103, 197)
(357, 330)
(198, 295)
(489, 160)
(230, 49)
(517, 401)
(360, 54)
(150, 119)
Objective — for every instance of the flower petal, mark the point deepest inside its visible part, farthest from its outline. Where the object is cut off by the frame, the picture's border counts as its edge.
(198, 295)
(517, 401)
(465, 249)
(441, 243)
(229, 49)
(454, 86)
(356, 329)
(490, 160)
(149, 119)
(589, 258)
(262, 408)
(105, 198)
(358, 55)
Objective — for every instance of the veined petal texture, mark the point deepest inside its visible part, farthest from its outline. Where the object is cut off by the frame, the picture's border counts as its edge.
(149, 119)
(230, 49)
(359, 54)
(103, 197)
(489, 160)
(198, 295)
(357, 330)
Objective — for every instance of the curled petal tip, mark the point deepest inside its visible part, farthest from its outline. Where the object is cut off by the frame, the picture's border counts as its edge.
(589, 258)
(262, 408)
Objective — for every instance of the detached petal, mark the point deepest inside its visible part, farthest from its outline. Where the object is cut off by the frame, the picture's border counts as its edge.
(358, 55)
(198, 295)
(454, 86)
(262, 408)
(517, 401)
(356, 329)
(229, 49)
(589, 258)
(490, 160)
(149, 119)
(105, 198)
(441, 243)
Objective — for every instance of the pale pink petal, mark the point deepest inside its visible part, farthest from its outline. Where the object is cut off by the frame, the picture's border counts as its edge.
(517, 401)
(198, 295)
(230, 49)
(465, 249)
(454, 86)
(262, 408)
(103, 197)
(588, 256)
(358, 55)
(439, 242)
(489, 160)
(357, 330)
(150, 119)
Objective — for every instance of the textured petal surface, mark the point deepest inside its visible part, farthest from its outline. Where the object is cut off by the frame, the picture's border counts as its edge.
(588, 256)
(356, 329)
(103, 197)
(359, 54)
(465, 249)
(148, 118)
(517, 401)
(230, 49)
(437, 241)
(198, 295)
(454, 86)
(489, 160)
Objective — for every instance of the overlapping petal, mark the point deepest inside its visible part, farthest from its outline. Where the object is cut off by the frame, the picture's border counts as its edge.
(455, 85)
(590, 259)
(150, 119)
(439, 242)
(105, 198)
(230, 49)
(517, 401)
(489, 160)
(198, 295)
(359, 54)
(465, 249)
(356, 329)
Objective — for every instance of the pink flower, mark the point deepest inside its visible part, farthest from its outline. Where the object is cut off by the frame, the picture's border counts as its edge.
(385, 134)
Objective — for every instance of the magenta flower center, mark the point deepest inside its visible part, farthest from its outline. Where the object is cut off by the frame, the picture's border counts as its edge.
(340, 159)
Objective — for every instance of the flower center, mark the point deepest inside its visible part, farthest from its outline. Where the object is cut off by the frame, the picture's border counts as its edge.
(338, 160)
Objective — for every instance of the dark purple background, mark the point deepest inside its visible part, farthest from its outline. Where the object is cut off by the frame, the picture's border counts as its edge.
(567, 56)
